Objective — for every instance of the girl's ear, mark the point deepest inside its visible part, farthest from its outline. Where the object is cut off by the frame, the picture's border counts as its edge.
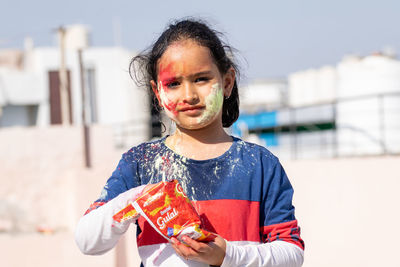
(155, 90)
(229, 81)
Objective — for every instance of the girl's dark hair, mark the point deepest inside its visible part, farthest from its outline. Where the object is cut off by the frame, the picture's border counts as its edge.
(143, 67)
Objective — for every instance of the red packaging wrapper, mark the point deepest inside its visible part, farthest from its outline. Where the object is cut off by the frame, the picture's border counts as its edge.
(170, 212)
(125, 214)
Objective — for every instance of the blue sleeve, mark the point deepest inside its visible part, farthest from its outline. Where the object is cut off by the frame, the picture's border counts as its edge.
(278, 221)
(277, 195)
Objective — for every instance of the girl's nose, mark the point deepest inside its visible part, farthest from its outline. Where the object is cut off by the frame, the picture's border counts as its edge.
(190, 94)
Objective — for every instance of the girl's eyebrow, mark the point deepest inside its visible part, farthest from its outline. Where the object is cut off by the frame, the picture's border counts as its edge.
(207, 72)
(197, 74)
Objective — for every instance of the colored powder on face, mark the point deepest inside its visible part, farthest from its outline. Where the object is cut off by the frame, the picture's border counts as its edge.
(213, 103)
(166, 103)
(166, 74)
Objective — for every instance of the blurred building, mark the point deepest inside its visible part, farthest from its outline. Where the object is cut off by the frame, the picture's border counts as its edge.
(349, 109)
(30, 87)
(263, 95)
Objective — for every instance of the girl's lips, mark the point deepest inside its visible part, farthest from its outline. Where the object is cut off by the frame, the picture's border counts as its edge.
(187, 108)
(191, 109)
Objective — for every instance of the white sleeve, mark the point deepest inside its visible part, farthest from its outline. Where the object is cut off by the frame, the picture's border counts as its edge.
(274, 254)
(97, 232)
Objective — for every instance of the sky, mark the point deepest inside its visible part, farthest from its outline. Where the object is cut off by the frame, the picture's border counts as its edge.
(273, 38)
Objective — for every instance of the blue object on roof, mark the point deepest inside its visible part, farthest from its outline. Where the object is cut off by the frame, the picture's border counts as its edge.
(255, 121)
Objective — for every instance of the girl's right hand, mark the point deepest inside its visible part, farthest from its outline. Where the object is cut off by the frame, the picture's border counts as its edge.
(212, 253)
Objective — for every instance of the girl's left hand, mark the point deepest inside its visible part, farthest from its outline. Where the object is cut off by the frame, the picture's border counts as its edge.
(212, 253)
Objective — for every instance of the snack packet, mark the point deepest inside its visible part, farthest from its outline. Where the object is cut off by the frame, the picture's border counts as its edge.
(169, 211)
(126, 213)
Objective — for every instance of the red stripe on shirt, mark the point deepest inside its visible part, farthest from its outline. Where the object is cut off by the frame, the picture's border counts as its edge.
(234, 220)
(287, 231)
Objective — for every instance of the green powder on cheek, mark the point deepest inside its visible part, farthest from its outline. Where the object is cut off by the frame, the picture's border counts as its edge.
(213, 103)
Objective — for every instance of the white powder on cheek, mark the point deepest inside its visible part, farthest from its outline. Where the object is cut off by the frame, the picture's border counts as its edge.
(165, 102)
(213, 103)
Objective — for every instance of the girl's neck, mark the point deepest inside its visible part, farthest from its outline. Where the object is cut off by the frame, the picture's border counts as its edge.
(204, 143)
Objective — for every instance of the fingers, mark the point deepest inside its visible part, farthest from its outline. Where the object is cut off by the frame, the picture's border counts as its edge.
(175, 244)
(211, 253)
(197, 246)
(190, 250)
(181, 249)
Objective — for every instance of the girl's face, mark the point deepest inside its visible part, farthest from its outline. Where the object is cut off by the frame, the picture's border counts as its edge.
(190, 87)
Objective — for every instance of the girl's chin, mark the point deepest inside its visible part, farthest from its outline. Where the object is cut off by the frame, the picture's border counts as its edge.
(192, 125)
(189, 126)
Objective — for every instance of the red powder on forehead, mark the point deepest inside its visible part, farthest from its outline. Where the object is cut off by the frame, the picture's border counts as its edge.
(166, 73)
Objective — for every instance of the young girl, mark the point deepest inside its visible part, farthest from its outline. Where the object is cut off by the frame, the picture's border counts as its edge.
(239, 189)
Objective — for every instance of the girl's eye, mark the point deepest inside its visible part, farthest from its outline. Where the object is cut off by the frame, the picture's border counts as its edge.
(202, 79)
(172, 84)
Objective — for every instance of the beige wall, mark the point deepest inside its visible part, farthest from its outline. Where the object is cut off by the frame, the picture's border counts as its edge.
(347, 208)
(44, 185)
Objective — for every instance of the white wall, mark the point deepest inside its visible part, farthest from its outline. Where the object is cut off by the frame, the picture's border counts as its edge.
(348, 210)
(118, 98)
(120, 102)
